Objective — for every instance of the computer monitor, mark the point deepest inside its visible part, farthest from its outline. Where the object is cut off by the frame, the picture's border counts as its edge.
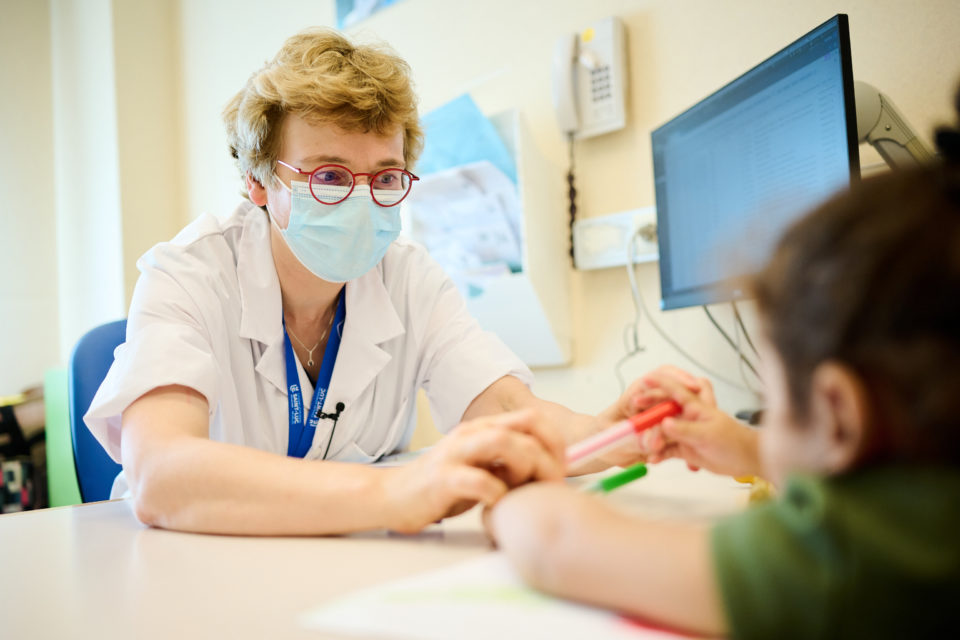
(732, 171)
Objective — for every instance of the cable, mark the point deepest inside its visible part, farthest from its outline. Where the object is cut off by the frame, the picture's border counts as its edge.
(629, 352)
(730, 341)
(572, 194)
(746, 334)
(641, 309)
(743, 373)
(630, 347)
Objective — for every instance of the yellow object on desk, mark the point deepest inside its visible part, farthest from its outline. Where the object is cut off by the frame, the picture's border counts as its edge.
(760, 489)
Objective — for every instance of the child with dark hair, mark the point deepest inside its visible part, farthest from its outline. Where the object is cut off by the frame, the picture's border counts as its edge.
(860, 311)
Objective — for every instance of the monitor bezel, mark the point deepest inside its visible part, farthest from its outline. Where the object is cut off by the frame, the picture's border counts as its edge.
(727, 290)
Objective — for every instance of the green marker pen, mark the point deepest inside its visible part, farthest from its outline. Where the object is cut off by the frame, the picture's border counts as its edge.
(617, 480)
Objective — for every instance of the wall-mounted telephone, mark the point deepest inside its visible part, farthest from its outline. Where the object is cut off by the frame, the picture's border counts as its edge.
(590, 79)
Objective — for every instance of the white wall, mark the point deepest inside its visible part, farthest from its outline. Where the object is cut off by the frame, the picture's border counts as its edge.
(90, 146)
(29, 325)
(149, 127)
(89, 231)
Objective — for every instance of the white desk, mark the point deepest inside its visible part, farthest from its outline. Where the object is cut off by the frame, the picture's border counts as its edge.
(93, 571)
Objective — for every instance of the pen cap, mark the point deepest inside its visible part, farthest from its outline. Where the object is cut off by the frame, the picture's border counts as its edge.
(618, 480)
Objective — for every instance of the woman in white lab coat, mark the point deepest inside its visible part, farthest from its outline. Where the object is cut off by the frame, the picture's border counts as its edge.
(267, 350)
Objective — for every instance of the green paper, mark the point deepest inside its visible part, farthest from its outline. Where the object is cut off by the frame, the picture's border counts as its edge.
(61, 473)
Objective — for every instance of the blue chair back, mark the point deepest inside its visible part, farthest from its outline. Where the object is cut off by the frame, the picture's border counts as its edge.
(89, 363)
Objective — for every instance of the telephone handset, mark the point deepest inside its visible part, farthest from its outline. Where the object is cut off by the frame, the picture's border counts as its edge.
(564, 84)
(590, 79)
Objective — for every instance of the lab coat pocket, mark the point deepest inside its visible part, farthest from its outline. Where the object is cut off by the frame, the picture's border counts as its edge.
(353, 453)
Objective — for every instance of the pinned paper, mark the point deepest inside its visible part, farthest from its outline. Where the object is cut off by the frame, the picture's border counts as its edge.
(468, 218)
(458, 133)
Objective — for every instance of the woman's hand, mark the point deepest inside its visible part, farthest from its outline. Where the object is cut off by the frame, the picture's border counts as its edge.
(479, 461)
(703, 435)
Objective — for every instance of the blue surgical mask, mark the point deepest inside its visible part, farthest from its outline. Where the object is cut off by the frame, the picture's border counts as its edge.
(339, 242)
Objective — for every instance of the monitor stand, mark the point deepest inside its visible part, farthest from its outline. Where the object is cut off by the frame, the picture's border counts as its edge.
(753, 417)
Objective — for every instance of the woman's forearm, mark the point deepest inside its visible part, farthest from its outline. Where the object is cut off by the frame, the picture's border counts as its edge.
(199, 485)
(182, 480)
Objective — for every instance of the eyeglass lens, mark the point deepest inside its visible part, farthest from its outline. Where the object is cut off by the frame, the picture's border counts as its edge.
(330, 184)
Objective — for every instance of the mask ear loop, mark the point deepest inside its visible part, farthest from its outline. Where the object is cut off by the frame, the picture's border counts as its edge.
(282, 183)
(273, 220)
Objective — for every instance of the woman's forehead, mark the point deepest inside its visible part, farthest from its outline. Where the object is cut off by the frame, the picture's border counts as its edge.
(304, 140)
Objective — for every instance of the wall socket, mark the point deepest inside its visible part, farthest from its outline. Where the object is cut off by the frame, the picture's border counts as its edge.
(601, 241)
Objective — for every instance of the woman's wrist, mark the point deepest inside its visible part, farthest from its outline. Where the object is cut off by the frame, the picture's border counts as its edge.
(389, 498)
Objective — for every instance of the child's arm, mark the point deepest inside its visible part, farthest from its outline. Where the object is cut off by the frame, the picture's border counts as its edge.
(572, 545)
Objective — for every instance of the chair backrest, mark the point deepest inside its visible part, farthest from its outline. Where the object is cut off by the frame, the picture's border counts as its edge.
(89, 363)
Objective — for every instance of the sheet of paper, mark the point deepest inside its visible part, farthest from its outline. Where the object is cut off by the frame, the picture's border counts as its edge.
(468, 218)
(457, 133)
(477, 599)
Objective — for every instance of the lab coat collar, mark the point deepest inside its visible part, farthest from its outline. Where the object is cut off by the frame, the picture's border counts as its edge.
(371, 318)
(260, 300)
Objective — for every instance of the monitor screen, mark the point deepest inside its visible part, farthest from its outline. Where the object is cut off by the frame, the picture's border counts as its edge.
(732, 171)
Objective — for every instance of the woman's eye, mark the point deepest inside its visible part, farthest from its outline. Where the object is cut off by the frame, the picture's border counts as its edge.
(388, 180)
(329, 177)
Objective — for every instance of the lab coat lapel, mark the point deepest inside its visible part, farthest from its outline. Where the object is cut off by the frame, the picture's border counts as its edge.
(260, 300)
(272, 365)
(371, 321)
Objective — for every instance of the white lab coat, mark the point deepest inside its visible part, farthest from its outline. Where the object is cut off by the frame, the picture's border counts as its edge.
(206, 314)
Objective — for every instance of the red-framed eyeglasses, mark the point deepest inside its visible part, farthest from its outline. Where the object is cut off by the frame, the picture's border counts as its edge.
(333, 183)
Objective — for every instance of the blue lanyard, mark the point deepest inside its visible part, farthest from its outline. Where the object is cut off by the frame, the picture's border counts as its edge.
(302, 427)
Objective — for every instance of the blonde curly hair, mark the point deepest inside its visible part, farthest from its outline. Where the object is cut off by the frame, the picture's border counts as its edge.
(321, 76)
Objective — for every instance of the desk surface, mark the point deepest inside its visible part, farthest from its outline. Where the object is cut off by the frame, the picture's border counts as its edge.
(95, 571)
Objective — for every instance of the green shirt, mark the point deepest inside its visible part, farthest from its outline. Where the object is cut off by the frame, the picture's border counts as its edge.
(871, 554)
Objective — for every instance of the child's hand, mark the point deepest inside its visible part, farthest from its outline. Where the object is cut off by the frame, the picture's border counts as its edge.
(526, 518)
(642, 395)
(703, 435)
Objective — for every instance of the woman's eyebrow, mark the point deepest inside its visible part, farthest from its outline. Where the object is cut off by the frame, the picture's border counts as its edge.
(317, 160)
(323, 159)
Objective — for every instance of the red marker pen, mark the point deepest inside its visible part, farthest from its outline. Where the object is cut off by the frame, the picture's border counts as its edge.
(613, 436)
